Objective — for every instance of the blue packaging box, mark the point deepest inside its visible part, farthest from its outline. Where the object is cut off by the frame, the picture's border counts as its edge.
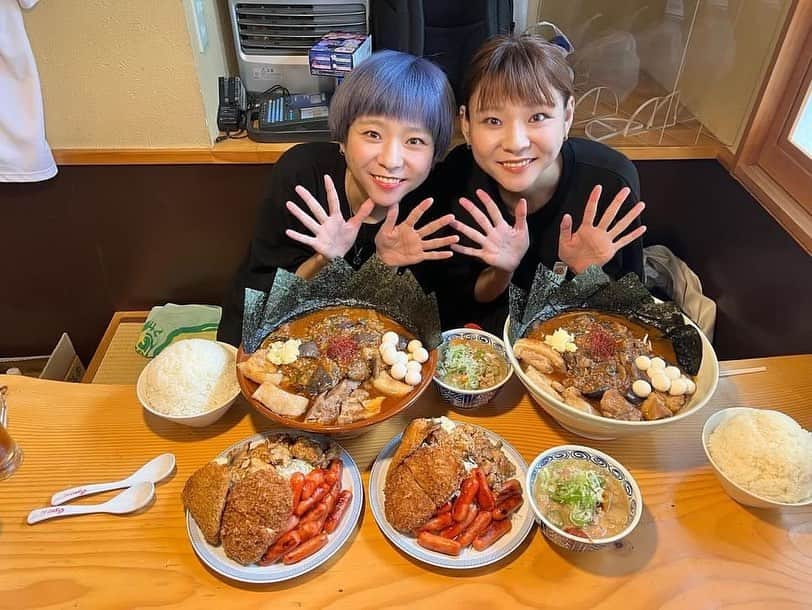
(337, 53)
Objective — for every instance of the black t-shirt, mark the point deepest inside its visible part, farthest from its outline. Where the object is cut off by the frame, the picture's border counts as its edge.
(270, 249)
(585, 164)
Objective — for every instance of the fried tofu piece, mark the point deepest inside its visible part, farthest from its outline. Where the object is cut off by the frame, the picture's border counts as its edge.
(437, 470)
(386, 384)
(256, 510)
(406, 505)
(258, 369)
(281, 402)
(204, 496)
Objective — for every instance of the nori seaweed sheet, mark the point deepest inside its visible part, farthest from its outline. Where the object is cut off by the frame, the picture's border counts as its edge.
(593, 289)
(373, 286)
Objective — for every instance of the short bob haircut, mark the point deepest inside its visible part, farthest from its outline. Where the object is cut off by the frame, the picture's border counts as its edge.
(518, 69)
(397, 86)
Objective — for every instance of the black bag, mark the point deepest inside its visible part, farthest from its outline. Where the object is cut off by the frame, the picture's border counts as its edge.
(447, 32)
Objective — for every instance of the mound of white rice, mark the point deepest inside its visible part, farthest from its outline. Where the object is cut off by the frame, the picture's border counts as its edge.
(190, 377)
(766, 453)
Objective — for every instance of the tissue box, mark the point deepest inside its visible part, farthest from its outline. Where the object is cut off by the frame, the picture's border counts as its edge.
(337, 53)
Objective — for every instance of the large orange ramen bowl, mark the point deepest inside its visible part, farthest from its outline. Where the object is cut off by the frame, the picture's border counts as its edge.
(603, 428)
(299, 328)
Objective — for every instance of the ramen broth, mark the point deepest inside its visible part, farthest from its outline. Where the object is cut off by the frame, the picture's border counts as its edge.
(582, 499)
(345, 338)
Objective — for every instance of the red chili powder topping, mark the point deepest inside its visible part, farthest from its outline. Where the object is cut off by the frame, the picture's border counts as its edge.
(601, 343)
(342, 348)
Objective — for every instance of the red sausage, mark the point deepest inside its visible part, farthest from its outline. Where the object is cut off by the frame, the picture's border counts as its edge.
(306, 549)
(438, 543)
(507, 507)
(290, 525)
(307, 503)
(312, 480)
(445, 508)
(458, 527)
(496, 530)
(509, 488)
(283, 545)
(310, 529)
(335, 472)
(335, 516)
(296, 483)
(482, 521)
(440, 522)
(484, 495)
(318, 513)
(468, 491)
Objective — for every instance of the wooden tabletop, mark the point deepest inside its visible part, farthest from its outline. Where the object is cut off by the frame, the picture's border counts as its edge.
(694, 546)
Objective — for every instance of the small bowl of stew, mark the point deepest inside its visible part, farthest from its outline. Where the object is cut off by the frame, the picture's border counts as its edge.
(584, 499)
(472, 367)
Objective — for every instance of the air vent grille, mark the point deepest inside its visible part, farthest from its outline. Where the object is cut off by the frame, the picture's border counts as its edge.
(291, 29)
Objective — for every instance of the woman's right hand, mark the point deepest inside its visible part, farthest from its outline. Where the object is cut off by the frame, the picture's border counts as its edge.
(502, 246)
(332, 235)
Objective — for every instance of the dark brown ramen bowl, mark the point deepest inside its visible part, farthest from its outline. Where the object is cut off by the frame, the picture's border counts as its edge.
(248, 388)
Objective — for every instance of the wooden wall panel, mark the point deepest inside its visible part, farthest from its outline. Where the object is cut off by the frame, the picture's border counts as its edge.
(97, 239)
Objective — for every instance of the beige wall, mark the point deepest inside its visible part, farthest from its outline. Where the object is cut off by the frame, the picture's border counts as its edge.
(121, 74)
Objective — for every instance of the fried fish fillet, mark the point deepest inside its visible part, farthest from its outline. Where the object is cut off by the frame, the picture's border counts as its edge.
(406, 506)
(256, 509)
(437, 470)
(204, 495)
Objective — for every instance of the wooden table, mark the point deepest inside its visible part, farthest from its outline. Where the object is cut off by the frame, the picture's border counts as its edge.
(694, 546)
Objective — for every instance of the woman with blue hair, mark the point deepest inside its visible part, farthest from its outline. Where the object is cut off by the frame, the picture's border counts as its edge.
(391, 119)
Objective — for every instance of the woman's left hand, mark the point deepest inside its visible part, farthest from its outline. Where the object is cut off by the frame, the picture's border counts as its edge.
(404, 244)
(596, 244)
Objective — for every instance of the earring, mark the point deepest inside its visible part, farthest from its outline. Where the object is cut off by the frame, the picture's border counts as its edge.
(468, 146)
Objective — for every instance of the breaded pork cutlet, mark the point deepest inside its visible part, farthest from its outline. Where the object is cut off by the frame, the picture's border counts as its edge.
(204, 495)
(437, 470)
(406, 505)
(256, 509)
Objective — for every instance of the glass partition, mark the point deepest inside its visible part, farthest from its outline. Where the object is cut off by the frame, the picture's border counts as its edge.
(665, 72)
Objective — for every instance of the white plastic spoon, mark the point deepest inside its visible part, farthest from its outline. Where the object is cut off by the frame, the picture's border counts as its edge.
(127, 501)
(153, 471)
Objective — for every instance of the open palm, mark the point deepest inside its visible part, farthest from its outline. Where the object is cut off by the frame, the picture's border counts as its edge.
(595, 244)
(500, 244)
(333, 236)
(404, 244)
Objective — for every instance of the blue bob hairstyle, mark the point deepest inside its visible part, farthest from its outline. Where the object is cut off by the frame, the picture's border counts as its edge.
(397, 86)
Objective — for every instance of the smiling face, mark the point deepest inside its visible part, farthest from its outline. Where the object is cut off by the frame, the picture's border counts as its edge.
(386, 159)
(517, 144)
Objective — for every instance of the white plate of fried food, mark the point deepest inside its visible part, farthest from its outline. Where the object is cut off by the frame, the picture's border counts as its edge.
(450, 494)
(273, 506)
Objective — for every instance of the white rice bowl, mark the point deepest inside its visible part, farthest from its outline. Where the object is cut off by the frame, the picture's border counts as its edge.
(766, 453)
(190, 377)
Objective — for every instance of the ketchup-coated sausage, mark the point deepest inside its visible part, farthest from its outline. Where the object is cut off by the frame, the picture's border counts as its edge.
(440, 522)
(284, 544)
(482, 521)
(334, 518)
(507, 507)
(459, 526)
(296, 483)
(437, 543)
(484, 494)
(445, 508)
(306, 549)
(307, 503)
(318, 513)
(495, 531)
(313, 479)
(468, 492)
(509, 488)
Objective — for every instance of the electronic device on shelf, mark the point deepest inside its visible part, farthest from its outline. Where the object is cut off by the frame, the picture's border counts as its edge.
(275, 115)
